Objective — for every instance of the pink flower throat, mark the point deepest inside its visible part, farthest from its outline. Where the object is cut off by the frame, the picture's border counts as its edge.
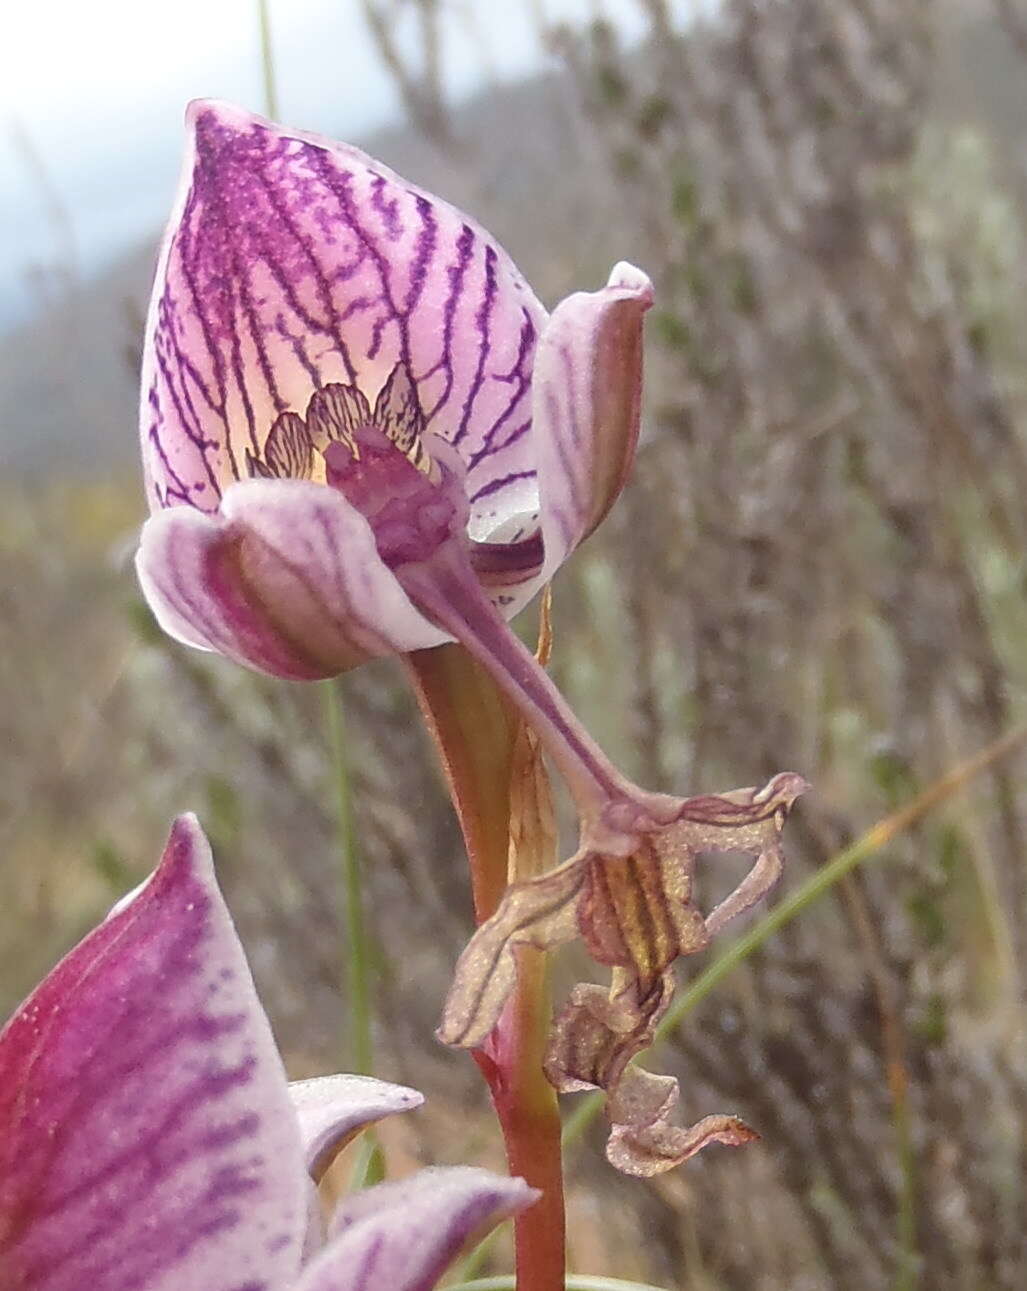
(412, 512)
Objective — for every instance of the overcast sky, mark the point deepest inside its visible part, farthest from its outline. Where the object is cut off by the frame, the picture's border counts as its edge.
(92, 93)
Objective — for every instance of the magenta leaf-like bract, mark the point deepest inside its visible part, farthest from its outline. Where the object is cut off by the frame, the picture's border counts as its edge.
(147, 1138)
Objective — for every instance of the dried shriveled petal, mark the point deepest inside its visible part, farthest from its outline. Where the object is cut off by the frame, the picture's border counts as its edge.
(332, 1110)
(592, 1042)
(539, 912)
(661, 1146)
(587, 404)
(147, 1138)
(591, 1047)
(402, 1236)
(634, 912)
(293, 263)
(287, 578)
(744, 820)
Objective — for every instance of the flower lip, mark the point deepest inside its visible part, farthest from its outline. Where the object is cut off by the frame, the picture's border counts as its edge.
(262, 582)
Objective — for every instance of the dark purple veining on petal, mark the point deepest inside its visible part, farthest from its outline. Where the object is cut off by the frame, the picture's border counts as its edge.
(455, 274)
(500, 482)
(515, 435)
(306, 317)
(294, 264)
(339, 183)
(482, 327)
(189, 422)
(143, 1112)
(299, 349)
(214, 301)
(519, 378)
(388, 210)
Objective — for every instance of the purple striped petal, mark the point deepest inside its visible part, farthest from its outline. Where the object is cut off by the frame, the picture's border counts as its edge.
(286, 578)
(291, 262)
(588, 390)
(402, 1236)
(147, 1138)
(333, 1109)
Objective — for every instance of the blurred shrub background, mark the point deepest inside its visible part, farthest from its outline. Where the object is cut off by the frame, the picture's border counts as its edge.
(819, 565)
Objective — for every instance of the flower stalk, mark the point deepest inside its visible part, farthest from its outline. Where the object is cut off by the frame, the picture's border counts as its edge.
(477, 732)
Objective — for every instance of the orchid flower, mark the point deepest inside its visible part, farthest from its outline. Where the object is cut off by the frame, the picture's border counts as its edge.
(149, 1139)
(316, 320)
(363, 434)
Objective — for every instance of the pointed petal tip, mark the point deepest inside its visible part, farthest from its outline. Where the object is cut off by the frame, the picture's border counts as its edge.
(214, 128)
(332, 1110)
(187, 833)
(188, 849)
(230, 116)
(442, 1189)
(404, 1234)
(630, 278)
(797, 785)
(214, 122)
(785, 789)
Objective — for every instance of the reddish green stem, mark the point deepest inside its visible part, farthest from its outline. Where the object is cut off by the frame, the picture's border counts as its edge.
(526, 1105)
(474, 727)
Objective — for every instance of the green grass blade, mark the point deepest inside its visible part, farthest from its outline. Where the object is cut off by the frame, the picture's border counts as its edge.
(358, 959)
